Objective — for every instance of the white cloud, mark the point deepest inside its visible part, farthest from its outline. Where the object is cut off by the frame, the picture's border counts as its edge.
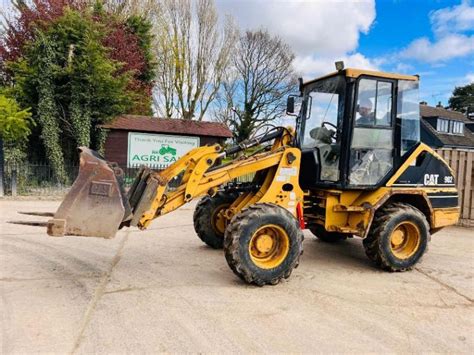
(311, 26)
(404, 68)
(311, 66)
(451, 27)
(458, 18)
(320, 32)
(448, 47)
(470, 78)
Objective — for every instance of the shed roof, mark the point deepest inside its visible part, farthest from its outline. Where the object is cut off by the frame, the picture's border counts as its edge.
(167, 125)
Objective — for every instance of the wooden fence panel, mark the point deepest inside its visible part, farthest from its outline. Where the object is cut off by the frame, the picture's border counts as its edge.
(461, 161)
(468, 206)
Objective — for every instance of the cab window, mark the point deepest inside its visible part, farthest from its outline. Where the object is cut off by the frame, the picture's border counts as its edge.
(408, 113)
(374, 103)
(323, 123)
(372, 140)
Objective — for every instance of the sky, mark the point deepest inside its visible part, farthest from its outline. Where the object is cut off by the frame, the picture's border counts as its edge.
(431, 38)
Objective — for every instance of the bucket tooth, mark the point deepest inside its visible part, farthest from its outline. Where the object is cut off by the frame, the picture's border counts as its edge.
(39, 214)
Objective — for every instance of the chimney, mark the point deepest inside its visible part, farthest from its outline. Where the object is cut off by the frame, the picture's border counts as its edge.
(439, 105)
(424, 103)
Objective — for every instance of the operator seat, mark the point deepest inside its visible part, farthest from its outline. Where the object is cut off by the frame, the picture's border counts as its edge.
(312, 154)
(309, 169)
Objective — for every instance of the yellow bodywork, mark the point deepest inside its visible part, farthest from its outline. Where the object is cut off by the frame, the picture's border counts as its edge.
(352, 211)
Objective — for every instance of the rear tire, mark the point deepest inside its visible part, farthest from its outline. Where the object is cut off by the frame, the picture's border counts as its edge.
(325, 236)
(209, 223)
(263, 244)
(398, 237)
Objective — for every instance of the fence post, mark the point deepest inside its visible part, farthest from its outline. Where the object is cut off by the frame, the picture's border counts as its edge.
(1, 168)
(14, 181)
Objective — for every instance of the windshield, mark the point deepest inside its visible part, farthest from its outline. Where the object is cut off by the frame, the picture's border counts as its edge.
(325, 104)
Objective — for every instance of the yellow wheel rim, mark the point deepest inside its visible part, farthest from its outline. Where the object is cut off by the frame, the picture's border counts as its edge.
(218, 220)
(269, 246)
(405, 240)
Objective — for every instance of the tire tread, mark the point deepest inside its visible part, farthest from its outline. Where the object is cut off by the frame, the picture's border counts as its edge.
(232, 245)
(372, 243)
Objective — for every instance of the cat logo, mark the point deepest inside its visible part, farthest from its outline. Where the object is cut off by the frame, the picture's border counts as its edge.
(431, 179)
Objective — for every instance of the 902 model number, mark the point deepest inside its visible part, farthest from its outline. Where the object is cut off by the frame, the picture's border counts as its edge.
(448, 180)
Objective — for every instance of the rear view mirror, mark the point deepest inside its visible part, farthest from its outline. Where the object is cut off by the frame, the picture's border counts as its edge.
(290, 105)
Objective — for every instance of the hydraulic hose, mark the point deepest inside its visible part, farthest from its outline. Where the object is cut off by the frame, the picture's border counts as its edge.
(278, 132)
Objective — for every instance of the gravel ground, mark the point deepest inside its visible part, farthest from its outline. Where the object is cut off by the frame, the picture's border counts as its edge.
(162, 290)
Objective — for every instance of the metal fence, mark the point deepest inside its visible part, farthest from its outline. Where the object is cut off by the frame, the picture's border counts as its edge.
(38, 179)
(35, 179)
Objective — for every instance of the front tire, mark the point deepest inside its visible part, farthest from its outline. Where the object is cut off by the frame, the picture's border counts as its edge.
(263, 244)
(209, 222)
(398, 237)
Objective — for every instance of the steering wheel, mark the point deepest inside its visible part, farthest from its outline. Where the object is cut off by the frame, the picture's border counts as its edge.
(333, 133)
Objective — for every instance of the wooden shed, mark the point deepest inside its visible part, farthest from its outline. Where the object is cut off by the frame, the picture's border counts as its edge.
(136, 140)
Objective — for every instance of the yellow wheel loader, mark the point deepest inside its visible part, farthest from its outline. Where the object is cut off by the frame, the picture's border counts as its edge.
(353, 166)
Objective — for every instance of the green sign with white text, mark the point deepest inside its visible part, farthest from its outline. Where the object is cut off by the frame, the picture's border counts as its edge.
(157, 149)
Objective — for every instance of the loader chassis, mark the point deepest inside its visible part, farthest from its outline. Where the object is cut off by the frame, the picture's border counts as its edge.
(353, 166)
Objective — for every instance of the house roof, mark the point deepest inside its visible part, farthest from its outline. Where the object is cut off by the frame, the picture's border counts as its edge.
(166, 125)
(430, 111)
(450, 140)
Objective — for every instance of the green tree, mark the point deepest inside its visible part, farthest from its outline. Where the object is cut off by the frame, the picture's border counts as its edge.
(72, 86)
(47, 111)
(462, 98)
(142, 28)
(14, 122)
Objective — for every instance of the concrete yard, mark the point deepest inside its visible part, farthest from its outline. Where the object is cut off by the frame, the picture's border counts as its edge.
(162, 290)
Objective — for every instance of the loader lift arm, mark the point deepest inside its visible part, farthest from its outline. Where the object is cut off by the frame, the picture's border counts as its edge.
(200, 177)
(150, 196)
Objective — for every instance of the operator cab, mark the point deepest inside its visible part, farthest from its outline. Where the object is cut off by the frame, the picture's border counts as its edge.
(355, 127)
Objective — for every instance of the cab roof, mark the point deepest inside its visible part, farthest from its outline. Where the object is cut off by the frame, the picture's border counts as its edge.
(355, 73)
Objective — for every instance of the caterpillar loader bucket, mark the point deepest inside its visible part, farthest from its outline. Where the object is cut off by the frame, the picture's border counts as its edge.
(96, 204)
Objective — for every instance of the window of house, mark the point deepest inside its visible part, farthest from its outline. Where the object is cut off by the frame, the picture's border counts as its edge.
(450, 126)
(443, 125)
(457, 127)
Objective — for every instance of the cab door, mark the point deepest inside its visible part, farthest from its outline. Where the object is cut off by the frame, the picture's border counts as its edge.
(321, 138)
(372, 148)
